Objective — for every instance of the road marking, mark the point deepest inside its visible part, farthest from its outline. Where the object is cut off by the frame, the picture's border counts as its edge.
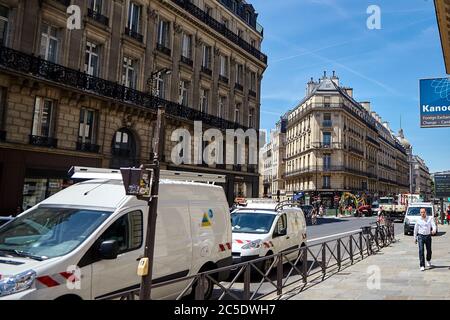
(335, 235)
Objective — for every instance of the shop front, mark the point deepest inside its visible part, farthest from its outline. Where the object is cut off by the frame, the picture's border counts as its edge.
(28, 177)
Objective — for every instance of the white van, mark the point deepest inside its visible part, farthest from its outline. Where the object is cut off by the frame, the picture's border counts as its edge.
(264, 228)
(413, 215)
(65, 247)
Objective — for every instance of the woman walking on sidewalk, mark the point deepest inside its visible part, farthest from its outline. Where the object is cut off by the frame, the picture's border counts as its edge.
(424, 228)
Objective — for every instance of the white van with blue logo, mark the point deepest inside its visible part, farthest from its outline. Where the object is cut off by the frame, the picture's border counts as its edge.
(86, 241)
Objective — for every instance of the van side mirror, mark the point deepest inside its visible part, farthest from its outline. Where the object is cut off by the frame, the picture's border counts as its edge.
(109, 250)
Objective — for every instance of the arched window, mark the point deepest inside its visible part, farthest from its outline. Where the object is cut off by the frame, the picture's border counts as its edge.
(124, 149)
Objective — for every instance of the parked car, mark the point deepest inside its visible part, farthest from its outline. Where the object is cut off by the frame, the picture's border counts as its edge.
(265, 229)
(95, 226)
(413, 215)
(375, 208)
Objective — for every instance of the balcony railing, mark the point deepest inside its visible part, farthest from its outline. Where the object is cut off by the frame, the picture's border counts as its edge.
(88, 147)
(252, 93)
(223, 79)
(327, 123)
(43, 141)
(162, 48)
(65, 3)
(237, 167)
(2, 135)
(251, 168)
(356, 150)
(29, 65)
(373, 141)
(324, 145)
(239, 86)
(369, 121)
(133, 34)
(187, 61)
(206, 70)
(220, 28)
(97, 16)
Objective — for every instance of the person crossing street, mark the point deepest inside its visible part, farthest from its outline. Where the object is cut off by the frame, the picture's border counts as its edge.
(423, 229)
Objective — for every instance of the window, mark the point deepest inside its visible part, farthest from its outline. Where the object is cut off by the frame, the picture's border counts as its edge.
(96, 5)
(327, 101)
(237, 110)
(134, 17)
(49, 43)
(164, 33)
(327, 120)
(327, 161)
(206, 56)
(240, 33)
(91, 61)
(129, 73)
(253, 43)
(186, 46)
(161, 85)
(183, 94)
(88, 128)
(43, 117)
(327, 139)
(204, 99)
(281, 224)
(225, 22)
(221, 107)
(127, 231)
(239, 73)
(326, 181)
(208, 10)
(251, 118)
(224, 66)
(4, 14)
(253, 81)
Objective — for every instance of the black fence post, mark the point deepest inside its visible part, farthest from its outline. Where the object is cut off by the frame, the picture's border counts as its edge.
(324, 259)
(350, 247)
(361, 245)
(305, 264)
(338, 253)
(280, 274)
(247, 275)
(199, 290)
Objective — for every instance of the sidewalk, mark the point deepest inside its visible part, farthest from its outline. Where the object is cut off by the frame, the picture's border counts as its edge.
(401, 278)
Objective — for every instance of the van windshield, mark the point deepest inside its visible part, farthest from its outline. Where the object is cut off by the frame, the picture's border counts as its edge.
(386, 201)
(415, 211)
(250, 222)
(49, 232)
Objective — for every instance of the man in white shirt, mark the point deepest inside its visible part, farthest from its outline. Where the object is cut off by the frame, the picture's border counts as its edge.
(424, 228)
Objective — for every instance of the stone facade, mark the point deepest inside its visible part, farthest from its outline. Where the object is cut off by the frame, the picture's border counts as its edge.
(336, 144)
(89, 99)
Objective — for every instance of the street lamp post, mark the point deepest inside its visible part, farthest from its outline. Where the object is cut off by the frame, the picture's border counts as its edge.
(146, 280)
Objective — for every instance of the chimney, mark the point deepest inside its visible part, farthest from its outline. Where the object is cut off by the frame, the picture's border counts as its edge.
(310, 87)
(324, 75)
(366, 105)
(386, 125)
(335, 78)
(349, 91)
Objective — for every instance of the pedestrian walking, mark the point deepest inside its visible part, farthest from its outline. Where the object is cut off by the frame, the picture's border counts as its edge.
(314, 216)
(448, 215)
(424, 228)
(321, 211)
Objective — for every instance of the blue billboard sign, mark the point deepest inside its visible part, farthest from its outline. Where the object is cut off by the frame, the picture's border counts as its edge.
(434, 102)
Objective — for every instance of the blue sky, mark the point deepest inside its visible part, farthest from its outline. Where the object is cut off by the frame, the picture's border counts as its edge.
(305, 37)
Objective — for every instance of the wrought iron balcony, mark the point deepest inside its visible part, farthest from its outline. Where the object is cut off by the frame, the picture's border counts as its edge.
(373, 141)
(239, 86)
(220, 28)
(252, 93)
(65, 3)
(223, 79)
(251, 168)
(133, 34)
(97, 16)
(206, 70)
(324, 145)
(88, 147)
(162, 48)
(356, 150)
(327, 123)
(237, 167)
(326, 187)
(2, 135)
(43, 141)
(30, 65)
(187, 61)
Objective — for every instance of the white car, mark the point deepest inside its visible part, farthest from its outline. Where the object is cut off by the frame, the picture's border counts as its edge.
(264, 229)
(86, 241)
(413, 215)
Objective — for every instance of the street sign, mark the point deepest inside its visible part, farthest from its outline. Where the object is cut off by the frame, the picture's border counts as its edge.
(434, 102)
(442, 186)
(136, 182)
